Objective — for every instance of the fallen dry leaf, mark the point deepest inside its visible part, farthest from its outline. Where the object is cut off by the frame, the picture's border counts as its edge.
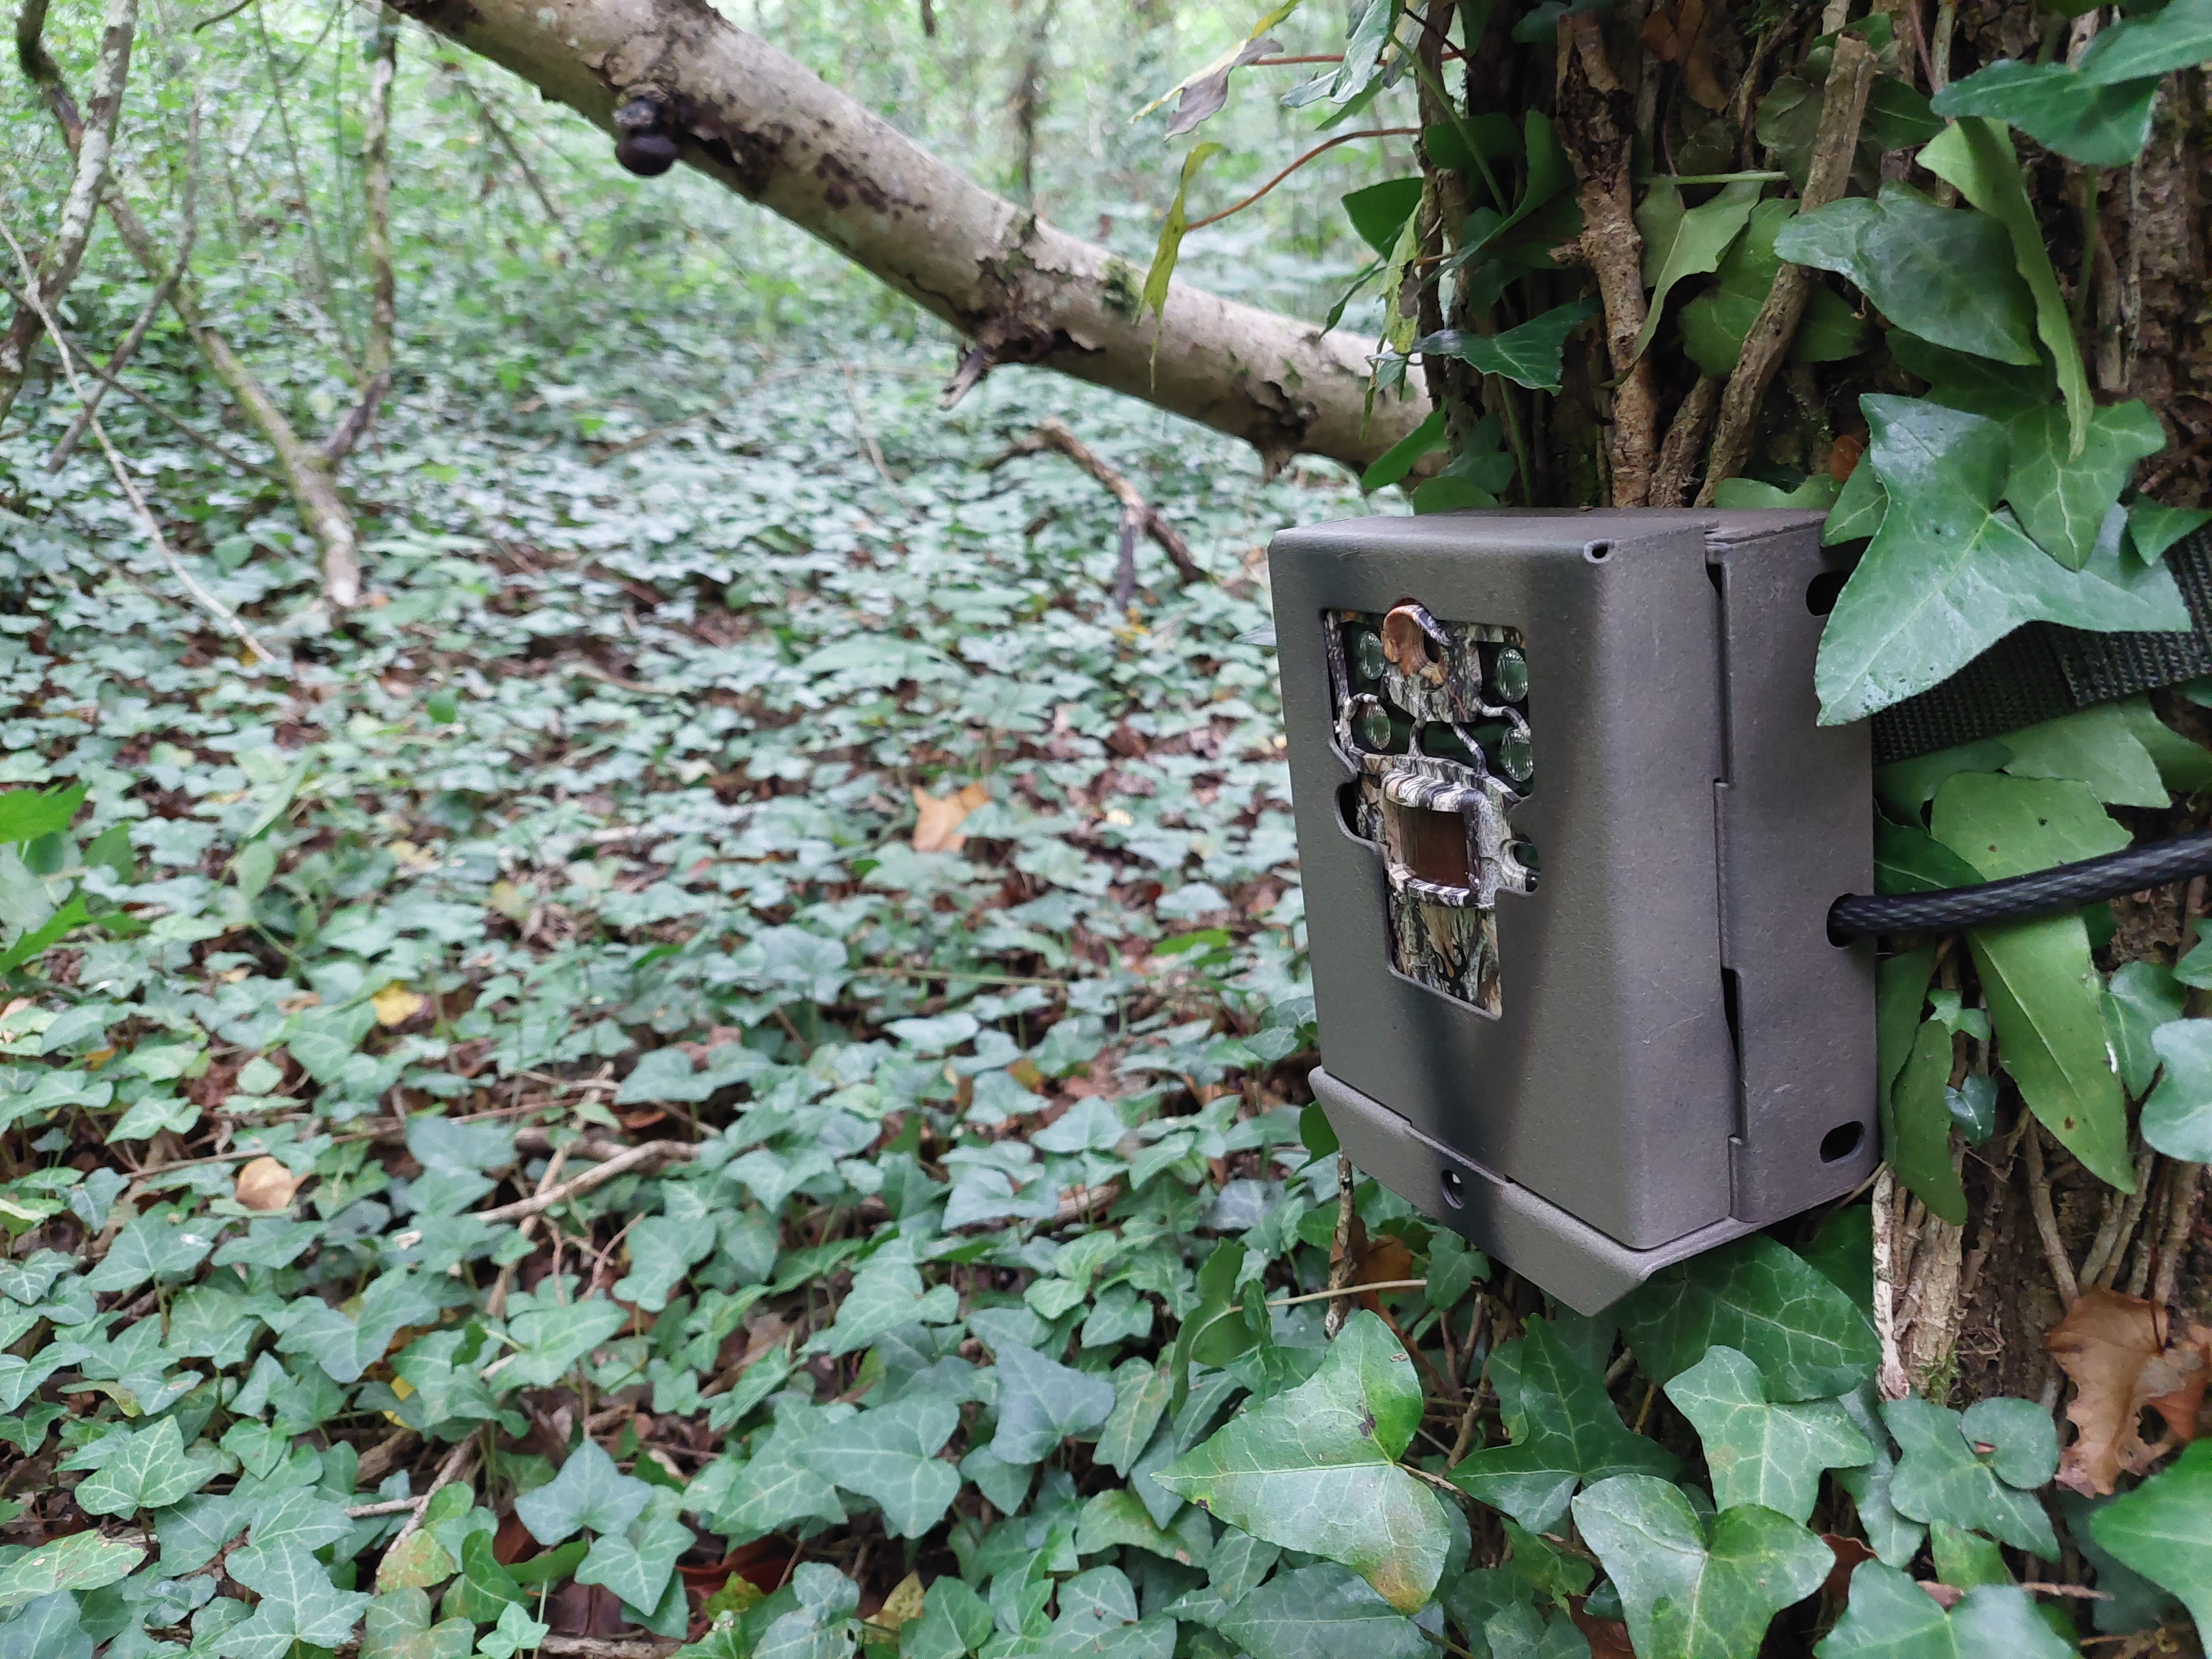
(1678, 35)
(265, 1184)
(396, 1004)
(938, 827)
(2122, 1359)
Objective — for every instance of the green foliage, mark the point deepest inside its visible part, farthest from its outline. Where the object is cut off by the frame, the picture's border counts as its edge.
(1891, 1615)
(1316, 1468)
(1759, 1453)
(1694, 1587)
(2159, 1530)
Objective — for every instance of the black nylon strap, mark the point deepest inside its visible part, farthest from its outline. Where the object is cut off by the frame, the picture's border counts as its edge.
(2041, 671)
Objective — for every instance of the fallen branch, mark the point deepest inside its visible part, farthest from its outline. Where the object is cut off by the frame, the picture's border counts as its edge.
(1137, 513)
(652, 1151)
(1843, 108)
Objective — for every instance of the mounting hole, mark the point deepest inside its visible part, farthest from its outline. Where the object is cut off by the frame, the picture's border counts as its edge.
(1598, 552)
(1840, 1142)
(1347, 810)
(1821, 593)
(1454, 1189)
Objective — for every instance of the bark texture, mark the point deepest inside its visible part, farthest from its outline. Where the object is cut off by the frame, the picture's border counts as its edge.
(1024, 291)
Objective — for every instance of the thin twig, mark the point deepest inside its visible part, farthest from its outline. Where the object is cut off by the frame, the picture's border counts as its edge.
(2187, 1193)
(1341, 138)
(672, 1151)
(458, 1463)
(205, 600)
(1339, 1247)
(2047, 1222)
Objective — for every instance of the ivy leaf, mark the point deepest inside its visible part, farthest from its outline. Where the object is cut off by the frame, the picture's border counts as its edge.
(1314, 1468)
(890, 1455)
(1900, 992)
(2099, 747)
(589, 1493)
(75, 1561)
(887, 1292)
(1565, 1431)
(636, 1566)
(1941, 1477)
(776, 1486)
(2139, 999)
(1714, 324)
(151, 1471)
(1890, 1617)
(1948, 574)
(2062, 499)
(151, 1248)
(1679, 243)
(2177, 1118)
(955, 1621)
(1041, 1402)
(398, 1627)
(1918, 1128)
(1975, 157)
(2153, 529)
(1162, 271)
(1395, 462)
(2159, 1530)
(2176, 36)
(485, 1589)
(1943, 273)
(2098, 125)
(1895, 1537)
(552, 1338)
(1759, 1452)
(1528, 355)
(1140, 1399)
(2045, 994)
(298, 1603)
(1690, 1591)
(1320, 1613)
(1765, 1301)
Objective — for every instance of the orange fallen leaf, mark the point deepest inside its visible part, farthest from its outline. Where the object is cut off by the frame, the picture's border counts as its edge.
(1679, 34)
(2123, 1359)
(396, 1004)
(265, 1184)
(938, 827)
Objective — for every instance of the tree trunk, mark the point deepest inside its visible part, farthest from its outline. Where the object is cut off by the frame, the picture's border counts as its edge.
(1024, 291)
(56, 267)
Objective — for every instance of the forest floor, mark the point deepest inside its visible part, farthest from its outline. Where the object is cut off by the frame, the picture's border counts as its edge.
(779, 786)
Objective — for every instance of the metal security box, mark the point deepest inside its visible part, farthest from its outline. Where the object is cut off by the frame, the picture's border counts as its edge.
(1569, 832)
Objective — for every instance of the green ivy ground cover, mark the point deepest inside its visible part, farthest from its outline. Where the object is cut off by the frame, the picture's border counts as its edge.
(977, 1285)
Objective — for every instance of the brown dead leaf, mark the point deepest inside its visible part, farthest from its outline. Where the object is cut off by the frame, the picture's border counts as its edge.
(2122, 1359)
(1607, 1637)
(265, 1184)
(1843, 456)
(938, 827)
(1849, 1553)
(396, 1004)
(1678, 35)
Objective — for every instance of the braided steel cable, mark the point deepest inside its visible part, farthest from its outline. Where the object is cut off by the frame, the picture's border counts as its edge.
(2041, 892)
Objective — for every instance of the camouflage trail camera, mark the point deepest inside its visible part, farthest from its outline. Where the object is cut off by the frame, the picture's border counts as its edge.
(1569, 832)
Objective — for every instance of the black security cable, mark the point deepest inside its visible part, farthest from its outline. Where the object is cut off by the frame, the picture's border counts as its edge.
(2041, 892)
